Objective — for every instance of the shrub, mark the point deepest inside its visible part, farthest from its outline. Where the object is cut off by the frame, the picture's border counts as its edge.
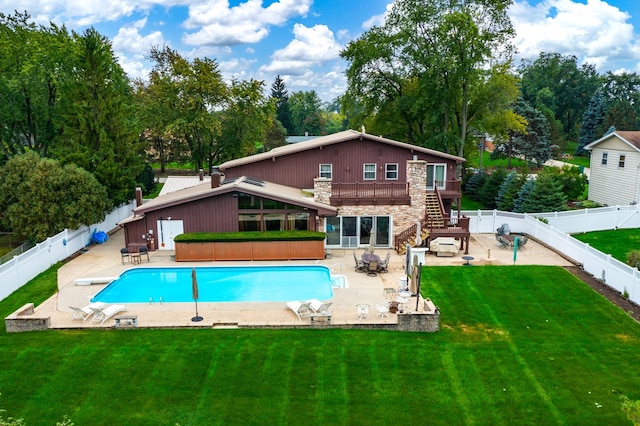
(201, 237)
(633, 258)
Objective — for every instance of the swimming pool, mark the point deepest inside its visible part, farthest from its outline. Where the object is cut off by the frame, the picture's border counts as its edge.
(220, 284)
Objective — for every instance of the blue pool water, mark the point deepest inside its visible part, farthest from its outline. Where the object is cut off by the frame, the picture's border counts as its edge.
(220, 284)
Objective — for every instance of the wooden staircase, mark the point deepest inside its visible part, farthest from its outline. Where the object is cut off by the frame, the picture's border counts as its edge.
(434, 210)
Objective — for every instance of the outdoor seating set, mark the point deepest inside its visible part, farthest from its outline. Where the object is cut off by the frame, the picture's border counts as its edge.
(506, 239)
(134, 256)
(371, 263)
(395, 302)
(99, 312)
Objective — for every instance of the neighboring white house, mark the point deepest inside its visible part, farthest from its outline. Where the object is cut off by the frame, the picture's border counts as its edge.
(615, 169)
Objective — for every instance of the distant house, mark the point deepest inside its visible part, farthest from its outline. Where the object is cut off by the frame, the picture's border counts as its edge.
(615, 169)
(349, 185)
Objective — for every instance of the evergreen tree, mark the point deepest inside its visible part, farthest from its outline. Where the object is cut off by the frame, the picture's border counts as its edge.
(489, 191)
(592, 119)
(474, 186)
(545, 196)
(281, 97)
(523, 193)
(509, 191)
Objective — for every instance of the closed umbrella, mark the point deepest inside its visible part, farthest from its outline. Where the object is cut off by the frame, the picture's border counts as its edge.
(372, 240)
(413, 284)
(194, 293)
(418, 236)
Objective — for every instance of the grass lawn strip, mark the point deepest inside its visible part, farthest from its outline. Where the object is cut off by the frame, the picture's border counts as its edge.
(519, 344)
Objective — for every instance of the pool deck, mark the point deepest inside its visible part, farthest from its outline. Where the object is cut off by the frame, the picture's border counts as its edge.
(104, 261)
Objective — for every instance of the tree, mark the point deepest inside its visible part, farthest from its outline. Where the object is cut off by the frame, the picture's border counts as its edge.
(559, 84)
(245, 121)
(523, 194)
(50, 197)
(193, 94)
(508, 191)
(571, 180)
(96, 109)
(533, 144)
(420, 77)
(545, 196)
(491, 187)
(306, 113)
(276, 136)
(592, 120)
(280, 96)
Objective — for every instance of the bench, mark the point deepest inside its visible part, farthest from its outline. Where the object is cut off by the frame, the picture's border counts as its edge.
(126, 321)
(429, 306)
(326, 317)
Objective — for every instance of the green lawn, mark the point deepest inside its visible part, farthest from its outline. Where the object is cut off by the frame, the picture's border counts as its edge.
(518, 345)
(617, 242)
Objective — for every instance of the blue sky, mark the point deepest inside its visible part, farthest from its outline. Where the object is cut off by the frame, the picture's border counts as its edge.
(301, 39)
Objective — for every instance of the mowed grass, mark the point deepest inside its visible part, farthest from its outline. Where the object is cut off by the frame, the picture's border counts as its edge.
(518, 345)
(617, 242)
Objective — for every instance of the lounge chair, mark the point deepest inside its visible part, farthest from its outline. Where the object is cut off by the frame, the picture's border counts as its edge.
(87, 311)
(301, 309)
(104, 313)
(319, 307)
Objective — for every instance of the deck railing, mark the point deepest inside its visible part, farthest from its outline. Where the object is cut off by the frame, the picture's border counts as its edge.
(369, 191)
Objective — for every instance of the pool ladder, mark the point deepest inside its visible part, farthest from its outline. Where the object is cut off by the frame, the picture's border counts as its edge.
(151, 300)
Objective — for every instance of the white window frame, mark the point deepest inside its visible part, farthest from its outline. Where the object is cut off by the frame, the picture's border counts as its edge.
(365, 171)
(387, 171)
(436, 167)
(324, 173)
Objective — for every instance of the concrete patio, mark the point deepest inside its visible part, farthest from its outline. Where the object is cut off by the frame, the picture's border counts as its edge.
(105, 261)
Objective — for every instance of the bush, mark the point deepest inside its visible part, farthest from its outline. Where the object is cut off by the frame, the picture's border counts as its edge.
(208, 237)
(633, 259)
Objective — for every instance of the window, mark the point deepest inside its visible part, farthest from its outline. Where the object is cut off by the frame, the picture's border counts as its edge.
(391, 171)
(621, 162)
(370, 172)
(326, 170)
(604, 158)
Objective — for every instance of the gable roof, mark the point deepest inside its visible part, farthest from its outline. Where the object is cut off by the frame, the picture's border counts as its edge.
(334, 138)
(176, 183)
(243, 184)
(631, 138)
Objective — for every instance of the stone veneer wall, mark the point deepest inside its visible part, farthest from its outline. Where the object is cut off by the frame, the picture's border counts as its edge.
(403, 216)
(419, 322)
(24, 319)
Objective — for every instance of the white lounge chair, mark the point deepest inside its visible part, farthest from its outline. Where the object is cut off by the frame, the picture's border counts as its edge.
(87, 311)
(319, 307)
(104, 313)
(301, 309)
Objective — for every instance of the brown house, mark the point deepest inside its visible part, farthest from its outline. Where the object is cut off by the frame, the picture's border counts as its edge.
(348, 184)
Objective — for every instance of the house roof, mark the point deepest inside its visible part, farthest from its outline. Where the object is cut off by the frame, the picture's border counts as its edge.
(176, 183)
(631, 138)
(335, 138)
(243, 184)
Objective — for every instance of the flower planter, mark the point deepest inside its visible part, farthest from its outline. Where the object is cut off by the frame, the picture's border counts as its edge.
(249, 250)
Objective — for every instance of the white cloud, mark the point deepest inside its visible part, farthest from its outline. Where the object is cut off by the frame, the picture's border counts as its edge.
(310, 47)
(595, 32)
(377, 20)
(248, 22)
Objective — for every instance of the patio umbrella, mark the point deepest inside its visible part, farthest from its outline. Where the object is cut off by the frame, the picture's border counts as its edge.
(418, 237)
(516, 242)
(413, 284)
(194, 293)
(372, 240)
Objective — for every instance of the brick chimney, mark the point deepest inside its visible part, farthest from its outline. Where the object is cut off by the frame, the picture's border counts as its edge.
(138, 196)
(215, 177)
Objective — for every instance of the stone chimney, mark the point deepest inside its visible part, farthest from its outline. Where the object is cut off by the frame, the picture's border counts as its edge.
(215, 177)
(138, 196)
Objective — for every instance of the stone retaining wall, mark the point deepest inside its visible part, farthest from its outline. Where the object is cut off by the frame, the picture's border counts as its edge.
(24, 319)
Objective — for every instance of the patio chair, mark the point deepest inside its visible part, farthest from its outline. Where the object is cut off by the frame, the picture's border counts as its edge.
(144, 251)
(363, 311)
(384, 264)
(125, 254)
(319, 307)
(383, 310)
(104, 313)
(372, 270)
(85, 312)
(301, 309)
(359, 263)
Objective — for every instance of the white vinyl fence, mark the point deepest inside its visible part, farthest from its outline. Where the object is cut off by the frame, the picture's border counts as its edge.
(18, 271)
(614, 273)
